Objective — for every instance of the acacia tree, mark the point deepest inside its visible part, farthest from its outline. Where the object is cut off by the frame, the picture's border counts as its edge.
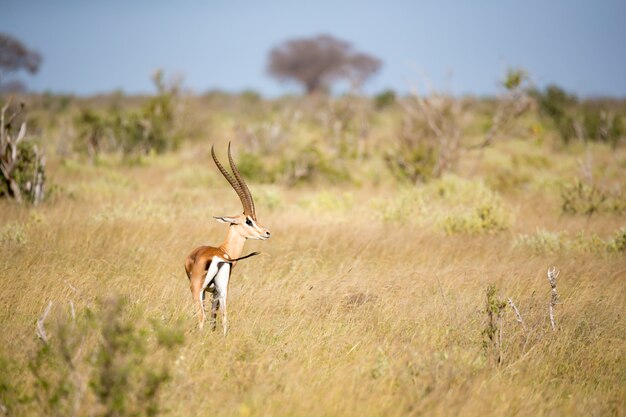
(317, 62)
(15, 56)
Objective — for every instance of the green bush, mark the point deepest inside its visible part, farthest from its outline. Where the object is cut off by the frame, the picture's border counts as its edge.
(582, 198)
(28, 168)
(310, 164)
(602, 124)
(328, 202)
(556, 104)
(13, 233)
(384, 99)
(543, 241)
(135, 133)
(594, 120)
(452, 204)
(416, 163)
(486, 218)
(504, 179)
(22, 162)
(253, 167)
(97, 363)
(429, 140)
(618, 242)
(93, 129)
(492, 332)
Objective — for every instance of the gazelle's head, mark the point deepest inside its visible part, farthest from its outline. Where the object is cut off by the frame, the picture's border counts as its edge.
(245, 224)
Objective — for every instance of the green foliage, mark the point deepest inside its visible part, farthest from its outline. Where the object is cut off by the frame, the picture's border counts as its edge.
(151, 128)
(455, 205)
(92, 130)
(22, 163)
(251, 96)
(328, 202)
(98, 363)
(514, 78)
(475, 207)
(582, 198)
(269, 197)
(556, 104)
(311, 164)
(601, 124)
(429, 140)
(486, 218)
(27, 169)
(56, 103)
(544, 241)
(10, 395)
(413, 163)
(492, 332)
(507, 179)
(589, 120)
(12, 233)
(252, 166)
(618, 242)
(384, 99)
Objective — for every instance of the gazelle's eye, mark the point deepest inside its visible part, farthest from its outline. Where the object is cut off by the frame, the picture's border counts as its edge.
(248, 222)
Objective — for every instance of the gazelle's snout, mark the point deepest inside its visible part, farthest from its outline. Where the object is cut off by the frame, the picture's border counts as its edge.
(263, 233)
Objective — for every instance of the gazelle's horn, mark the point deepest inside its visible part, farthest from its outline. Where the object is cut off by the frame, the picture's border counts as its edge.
(242, 183)
(247, 208)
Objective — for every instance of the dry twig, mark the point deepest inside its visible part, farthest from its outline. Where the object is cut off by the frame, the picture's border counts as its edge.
(41, 331)
(518, 316)
(553, 273)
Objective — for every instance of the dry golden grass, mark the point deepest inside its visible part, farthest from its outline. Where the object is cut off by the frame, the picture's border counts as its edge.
(344, 313)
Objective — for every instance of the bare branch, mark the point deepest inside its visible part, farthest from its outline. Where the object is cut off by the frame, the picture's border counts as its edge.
(518, 316)
(41, 331)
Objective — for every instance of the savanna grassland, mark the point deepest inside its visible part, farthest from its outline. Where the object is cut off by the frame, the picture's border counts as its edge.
(383, 290)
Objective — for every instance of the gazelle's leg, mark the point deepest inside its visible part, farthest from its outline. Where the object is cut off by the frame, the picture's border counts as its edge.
(224, 315)
(214, 306)
(221, 289)
(196, 293)
(208, 277)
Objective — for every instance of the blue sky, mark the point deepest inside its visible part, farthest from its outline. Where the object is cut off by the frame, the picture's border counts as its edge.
(462, 47)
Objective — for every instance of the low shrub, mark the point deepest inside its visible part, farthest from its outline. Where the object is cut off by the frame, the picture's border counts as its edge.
(618, 242)
(22, 162)
(151, 128)
(268, 196)
(486, 218)
(384, 99)
(582, 198)
(98, 362)
(252, 166)
(429, 141)
(310, 164)
(13, 233)
(453, 204)
(326, 201)
(595, 120)
(544, 241)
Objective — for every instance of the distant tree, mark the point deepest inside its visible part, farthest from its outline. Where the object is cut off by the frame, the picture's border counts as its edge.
(360, 67)
(317, 62)
(15, 56)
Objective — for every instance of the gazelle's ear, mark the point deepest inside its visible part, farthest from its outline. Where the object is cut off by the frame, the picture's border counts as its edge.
(224, 219)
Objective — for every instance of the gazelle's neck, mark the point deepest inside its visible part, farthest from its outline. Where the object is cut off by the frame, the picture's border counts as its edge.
(233, 245)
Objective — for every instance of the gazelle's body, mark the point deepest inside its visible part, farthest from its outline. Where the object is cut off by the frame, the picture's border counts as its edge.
(208, 268)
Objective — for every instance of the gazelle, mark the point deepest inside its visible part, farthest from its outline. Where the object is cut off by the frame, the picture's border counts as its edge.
(208, 268)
